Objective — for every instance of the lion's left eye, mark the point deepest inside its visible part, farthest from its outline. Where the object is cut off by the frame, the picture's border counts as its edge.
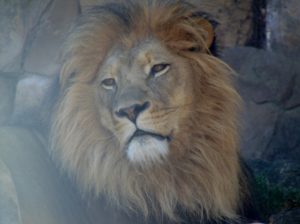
(108, 83)
(159, 69)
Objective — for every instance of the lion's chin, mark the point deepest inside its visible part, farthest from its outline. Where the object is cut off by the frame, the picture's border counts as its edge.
(146, 150)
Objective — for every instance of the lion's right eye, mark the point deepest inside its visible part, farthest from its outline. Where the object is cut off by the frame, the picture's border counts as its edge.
(108, 83)
(159, 69)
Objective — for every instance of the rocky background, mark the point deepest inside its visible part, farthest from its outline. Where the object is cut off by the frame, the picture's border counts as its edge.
(260, 39)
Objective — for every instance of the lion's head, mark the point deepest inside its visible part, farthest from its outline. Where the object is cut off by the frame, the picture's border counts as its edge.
(146, 114)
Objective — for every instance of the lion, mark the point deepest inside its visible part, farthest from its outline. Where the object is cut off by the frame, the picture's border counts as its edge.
(146, 115)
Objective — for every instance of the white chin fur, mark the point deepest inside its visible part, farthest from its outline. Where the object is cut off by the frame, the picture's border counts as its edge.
(145, 150)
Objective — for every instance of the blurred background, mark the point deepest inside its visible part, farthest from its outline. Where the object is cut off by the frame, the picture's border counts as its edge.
(260, 39)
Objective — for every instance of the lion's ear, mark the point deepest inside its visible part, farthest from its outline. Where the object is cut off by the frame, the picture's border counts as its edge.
(193, 33)
(207, 26)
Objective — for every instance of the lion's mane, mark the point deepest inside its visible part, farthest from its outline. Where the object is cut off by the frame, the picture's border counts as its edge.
(205, 177)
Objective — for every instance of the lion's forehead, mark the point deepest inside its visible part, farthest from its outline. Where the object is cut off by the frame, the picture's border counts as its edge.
(136, 59)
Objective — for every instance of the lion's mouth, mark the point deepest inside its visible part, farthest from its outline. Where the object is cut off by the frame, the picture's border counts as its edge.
(147, 147)
(141, 133)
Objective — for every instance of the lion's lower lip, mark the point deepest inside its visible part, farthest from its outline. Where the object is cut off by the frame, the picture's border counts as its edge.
(140, 133)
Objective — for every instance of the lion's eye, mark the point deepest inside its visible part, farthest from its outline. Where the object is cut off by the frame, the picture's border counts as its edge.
(108, 83)
(159, 69)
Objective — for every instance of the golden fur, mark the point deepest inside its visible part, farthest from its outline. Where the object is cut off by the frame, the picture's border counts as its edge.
(201, 174)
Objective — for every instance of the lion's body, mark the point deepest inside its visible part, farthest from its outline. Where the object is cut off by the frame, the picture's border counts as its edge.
(190, 161)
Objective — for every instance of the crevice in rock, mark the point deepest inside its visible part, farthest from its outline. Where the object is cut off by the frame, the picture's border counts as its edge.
(79, 7)
(279, 105)
(273, 135)
(32, 32)
(293, 107)
(289, 90)
(264, 102)
(258, 38)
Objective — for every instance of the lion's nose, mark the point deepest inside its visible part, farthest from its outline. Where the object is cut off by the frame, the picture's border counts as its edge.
(133, 111)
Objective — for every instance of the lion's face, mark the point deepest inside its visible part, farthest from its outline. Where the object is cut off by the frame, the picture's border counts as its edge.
(146, 115)
(142, 95)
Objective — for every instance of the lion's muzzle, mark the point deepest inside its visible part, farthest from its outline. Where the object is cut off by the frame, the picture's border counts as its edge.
(133, 111)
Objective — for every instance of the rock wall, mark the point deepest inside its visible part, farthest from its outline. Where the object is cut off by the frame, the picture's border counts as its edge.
(283, 29)
(32, 34)
(269, 84)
